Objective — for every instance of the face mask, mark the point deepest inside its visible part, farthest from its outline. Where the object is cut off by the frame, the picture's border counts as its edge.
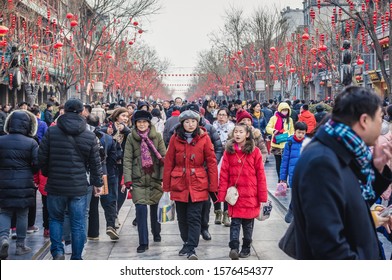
(284, 113)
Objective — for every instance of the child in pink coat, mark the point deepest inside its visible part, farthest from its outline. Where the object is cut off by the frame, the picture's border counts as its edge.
(242, 165)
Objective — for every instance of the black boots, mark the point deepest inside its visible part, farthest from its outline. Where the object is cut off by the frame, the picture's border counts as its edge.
(234, 252)
(245, 250)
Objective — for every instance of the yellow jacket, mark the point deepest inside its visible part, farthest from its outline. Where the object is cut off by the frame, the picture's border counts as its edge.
(288, 126)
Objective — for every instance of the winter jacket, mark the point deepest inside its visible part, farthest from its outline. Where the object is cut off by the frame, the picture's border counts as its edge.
(251, 184)
(212, 133)
(259, 123)
(332, 219)
(48, 117)
(223, 130)
(40, 181)
(42, 128)
(18, 160)
(288, 127)
(3, 116)
(319, 116)
(267, 113)
(307, 117)
(159, 125)
(62, 164)
(290, 156)
(185, 173)
(169, 126)
(146, 188)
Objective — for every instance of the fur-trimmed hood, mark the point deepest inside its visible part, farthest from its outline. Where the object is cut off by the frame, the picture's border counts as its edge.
(22, 122)
(247, 149)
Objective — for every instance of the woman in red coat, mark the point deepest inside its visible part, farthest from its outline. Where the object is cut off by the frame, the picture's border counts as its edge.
(242, 165)
(187, 178)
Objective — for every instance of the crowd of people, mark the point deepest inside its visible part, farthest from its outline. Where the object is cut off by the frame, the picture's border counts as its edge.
(77, 155)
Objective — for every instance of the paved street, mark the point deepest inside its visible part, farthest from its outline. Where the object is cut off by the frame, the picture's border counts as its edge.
(264, 247)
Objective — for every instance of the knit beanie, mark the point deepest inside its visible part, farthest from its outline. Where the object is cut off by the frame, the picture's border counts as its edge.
(242, 114)
(189, 114)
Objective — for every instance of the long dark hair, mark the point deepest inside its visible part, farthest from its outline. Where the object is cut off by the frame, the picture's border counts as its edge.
(181, 131)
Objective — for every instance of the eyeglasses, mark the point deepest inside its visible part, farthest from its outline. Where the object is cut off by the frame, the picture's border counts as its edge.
(222, 115)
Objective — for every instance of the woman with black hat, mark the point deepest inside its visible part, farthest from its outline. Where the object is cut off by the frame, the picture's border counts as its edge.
(186, 178)
(143, 168)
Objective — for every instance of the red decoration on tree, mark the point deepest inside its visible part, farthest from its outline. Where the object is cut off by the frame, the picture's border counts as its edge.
(69, 16)
(74, 23)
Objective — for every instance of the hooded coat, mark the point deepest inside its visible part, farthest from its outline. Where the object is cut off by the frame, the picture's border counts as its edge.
(62, 164)
(18, 160)
(251, 184)
(287, 127)
(146, 188)
(307, 117)
(185, 173)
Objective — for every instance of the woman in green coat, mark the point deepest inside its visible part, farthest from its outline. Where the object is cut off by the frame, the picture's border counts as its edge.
(143, 167)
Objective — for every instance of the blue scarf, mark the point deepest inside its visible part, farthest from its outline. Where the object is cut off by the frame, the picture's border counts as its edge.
(345, 135)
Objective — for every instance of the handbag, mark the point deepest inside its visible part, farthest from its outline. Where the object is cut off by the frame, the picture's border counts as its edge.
(280, 138)
(232, 192)
(287, 242)
(281, 189)
(265, 211)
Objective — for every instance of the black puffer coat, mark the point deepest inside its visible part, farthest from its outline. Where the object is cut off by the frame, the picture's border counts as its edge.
(18, 160)
(61, 162)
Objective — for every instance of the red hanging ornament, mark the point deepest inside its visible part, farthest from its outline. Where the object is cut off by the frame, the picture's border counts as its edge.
(69, 15)
(11, 76)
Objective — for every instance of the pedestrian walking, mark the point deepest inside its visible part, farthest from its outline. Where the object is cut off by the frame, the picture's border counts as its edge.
(187, 179)
(66, 153)
(143, 167)
(337, 179)
(18, 163)
(242, 166)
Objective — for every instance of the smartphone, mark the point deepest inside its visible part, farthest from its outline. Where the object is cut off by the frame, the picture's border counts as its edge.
(386, 212)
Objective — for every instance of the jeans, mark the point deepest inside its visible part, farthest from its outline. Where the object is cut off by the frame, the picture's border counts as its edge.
(141, 219)
(76, 205)
(21, 223)
(67, 225)
(247, 228)
(189, 222)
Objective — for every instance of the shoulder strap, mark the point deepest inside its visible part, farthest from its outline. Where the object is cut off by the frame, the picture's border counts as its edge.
(72, 140)
(239, 174)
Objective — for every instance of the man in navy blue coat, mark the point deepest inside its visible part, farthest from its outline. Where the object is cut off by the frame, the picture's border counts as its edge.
(337, 179)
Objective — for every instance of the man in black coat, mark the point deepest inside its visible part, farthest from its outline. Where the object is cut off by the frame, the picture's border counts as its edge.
(337, 179)
(67, 153)
(18, 162)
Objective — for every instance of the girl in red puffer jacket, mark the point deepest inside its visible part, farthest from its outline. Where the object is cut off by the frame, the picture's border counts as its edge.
(40, 181)
(242, 165)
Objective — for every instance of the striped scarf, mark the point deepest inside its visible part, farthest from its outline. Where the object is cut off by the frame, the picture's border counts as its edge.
(345, 135)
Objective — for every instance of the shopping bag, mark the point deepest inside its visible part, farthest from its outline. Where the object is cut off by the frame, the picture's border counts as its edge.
(281, 189)
(166, 209)
(265, 211)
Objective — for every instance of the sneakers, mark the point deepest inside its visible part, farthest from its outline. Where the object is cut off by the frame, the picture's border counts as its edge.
(245, 252)
(183, 251)
(13, 233)
(218, 217)
(46, 233)
(93, 238)
(59, 257)
(112, 233)
(234, 255)
(226, 220)
(68, 249)
(22, 249)
(142, 248)
(32, 229)
(157, 238)
(117, 224)
(4, 249)
(192, 256)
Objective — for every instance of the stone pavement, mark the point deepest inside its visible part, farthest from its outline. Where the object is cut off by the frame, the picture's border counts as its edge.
(265, 236)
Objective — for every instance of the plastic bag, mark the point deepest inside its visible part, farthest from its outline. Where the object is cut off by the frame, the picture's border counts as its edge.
(265, 211)
(166, 209)
(281, 189)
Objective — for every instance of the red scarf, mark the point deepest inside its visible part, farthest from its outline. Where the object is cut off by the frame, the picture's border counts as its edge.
(298, 140)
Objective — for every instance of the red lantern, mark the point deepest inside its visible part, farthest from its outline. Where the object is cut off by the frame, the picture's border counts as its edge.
(323, 48)
(322, 83)
(130, 43)
(140, 31)
(109, 56)
(305, 36)
(272, 67)
(3, 43)
(272, 49)
(280, 64)
(58, 45)
(360, 61)
(135, 23)
(3, 30)
(69, 15)
(358, 77)
(239, 52)
(34, 46)
(313, 51)
(11, 78)
(74, 23)
(292, 70)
